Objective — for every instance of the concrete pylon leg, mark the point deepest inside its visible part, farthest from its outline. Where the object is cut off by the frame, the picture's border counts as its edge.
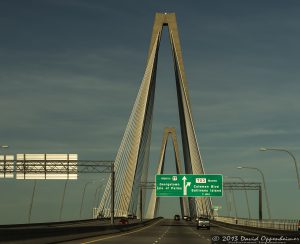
(133, 151)
(154, 201)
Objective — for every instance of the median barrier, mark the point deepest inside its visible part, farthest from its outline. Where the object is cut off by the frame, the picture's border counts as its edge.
(54, 232)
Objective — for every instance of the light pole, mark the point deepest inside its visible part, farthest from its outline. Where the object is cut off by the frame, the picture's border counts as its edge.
(97, 191)
(112, 193)
(141, 203)
(83, 194)
(265, 188)
(98, 199)
(234, 203)
(227, 204)
(230, 203)
(62, 200)
(31, 202)
(263, 149)
(246, 194)
(4, 159)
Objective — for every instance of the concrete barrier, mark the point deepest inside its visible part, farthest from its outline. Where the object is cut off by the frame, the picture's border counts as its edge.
(50, 233)
(255, 230)
(277, 224)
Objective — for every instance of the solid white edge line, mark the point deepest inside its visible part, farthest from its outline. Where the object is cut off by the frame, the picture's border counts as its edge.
(123, 234)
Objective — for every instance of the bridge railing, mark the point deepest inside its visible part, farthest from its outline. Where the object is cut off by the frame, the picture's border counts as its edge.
(277, 224)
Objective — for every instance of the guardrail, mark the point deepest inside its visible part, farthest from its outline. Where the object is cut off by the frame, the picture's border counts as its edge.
(277, 224)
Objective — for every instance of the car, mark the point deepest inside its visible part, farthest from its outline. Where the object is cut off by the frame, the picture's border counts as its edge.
(123, 221)
(130, 216)
(187, 218)
(176, 217)
(203, 222)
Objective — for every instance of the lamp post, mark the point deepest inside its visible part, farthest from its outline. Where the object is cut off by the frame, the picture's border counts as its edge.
(31, 202)
(62, 200)
(227, 204)
(83, 194)
(265, 188)
(4, 159)
(230, 203)
(234, 203)
(141, 203)
(97, 192)
(98, 199)
(246, 194)
(263, 149)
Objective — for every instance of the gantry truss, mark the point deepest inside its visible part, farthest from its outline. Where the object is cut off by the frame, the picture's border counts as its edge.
(242, 186)
(148, 185)
(60, 169)
(54, 166)
(246, 186)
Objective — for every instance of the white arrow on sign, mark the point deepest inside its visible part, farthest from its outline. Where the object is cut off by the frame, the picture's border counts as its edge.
(185, 186)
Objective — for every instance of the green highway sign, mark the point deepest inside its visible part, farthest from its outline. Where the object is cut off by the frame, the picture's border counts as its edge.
(186, 185)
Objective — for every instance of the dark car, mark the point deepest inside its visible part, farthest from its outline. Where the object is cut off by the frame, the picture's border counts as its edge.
(123, 221)
(176, 217)
(187, 218)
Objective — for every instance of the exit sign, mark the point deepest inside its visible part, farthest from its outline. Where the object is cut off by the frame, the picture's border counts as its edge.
(187, 185)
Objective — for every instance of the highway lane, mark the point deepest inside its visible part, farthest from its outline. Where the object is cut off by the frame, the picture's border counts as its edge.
(165, 232)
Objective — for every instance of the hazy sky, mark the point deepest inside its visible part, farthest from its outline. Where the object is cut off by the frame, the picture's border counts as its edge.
(70, 72)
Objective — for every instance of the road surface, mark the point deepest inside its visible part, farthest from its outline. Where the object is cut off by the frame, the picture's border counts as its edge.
(164, 232)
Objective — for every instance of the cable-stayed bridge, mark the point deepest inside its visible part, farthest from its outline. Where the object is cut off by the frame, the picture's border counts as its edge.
(125, 190)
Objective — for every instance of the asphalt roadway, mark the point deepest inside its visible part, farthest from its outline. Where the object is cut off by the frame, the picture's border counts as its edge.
(164, 232)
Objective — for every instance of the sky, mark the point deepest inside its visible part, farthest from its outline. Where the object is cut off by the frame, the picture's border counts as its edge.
(70, 72)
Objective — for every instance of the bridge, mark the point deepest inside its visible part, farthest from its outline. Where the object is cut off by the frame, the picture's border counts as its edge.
(123, 213)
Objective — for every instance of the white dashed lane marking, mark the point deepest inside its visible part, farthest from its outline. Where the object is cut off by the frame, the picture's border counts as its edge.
(162, 236)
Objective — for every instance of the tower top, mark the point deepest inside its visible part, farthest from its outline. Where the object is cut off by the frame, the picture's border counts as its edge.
(165, 17)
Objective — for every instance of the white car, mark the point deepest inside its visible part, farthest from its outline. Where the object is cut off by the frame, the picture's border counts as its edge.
(203, 222)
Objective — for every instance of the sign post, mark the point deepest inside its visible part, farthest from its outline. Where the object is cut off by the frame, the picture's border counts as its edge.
(187, 185)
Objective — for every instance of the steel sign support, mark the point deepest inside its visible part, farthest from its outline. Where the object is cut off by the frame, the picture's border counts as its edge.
(141, 203)
(112, 190)
(259, 203)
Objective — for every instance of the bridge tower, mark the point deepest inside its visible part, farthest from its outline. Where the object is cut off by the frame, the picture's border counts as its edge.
(153, 206)
(132, 160)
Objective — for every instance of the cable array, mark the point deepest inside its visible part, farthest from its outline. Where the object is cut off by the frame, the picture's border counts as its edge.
(132, 160)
